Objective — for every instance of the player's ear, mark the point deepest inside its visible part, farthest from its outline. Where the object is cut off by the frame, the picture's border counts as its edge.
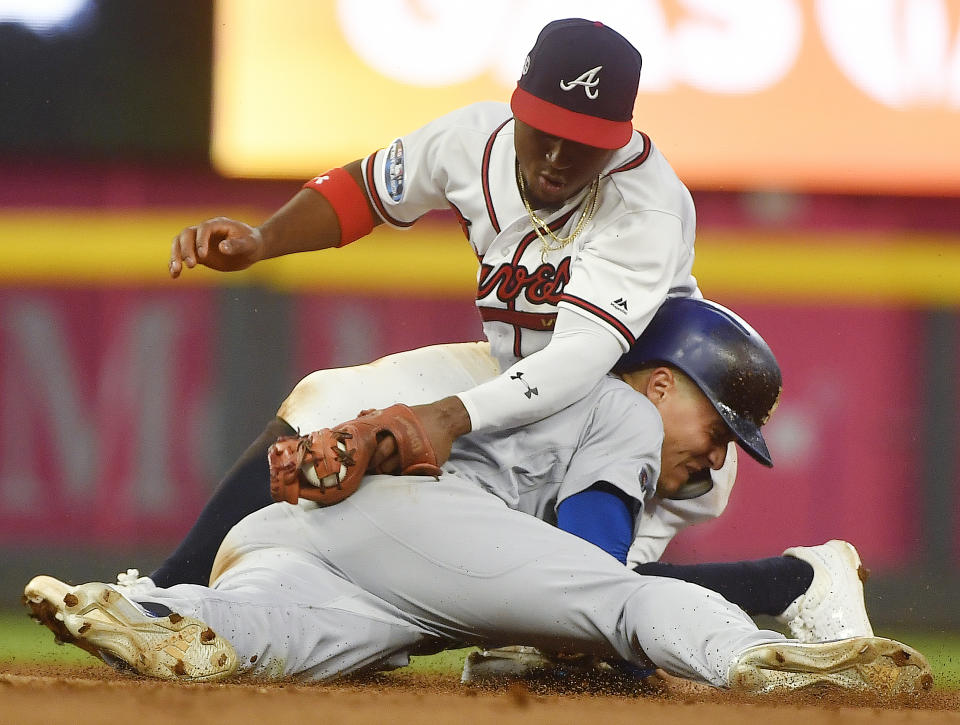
(661, 383)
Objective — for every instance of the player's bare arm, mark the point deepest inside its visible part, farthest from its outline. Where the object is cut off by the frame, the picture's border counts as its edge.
(307, 222)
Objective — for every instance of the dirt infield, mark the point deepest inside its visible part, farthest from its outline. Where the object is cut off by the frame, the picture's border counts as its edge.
(95, 694)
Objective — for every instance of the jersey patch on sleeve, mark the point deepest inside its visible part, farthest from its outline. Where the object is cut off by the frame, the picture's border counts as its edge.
(393, 171)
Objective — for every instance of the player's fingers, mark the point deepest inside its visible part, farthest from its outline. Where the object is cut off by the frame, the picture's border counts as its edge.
(175, 264)
(246, 244)
(391, 464)
(386, 458)
(236, 246)
(203, 240)
(183, 251)
(228, 237)
(210, 233)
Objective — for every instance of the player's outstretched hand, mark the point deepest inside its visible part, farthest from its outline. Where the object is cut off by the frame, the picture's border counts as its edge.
(225, 245)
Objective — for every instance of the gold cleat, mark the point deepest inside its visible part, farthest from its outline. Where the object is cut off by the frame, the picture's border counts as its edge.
(872, 665)
(101, 620)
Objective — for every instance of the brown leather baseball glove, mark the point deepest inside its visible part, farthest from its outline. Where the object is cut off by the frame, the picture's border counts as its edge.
(328, 465)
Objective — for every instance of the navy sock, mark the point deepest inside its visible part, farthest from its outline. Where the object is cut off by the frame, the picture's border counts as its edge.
(764, 586)
(245, 489)
(156, 609)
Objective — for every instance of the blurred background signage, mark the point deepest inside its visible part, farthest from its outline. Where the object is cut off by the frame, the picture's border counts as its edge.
(849, 95)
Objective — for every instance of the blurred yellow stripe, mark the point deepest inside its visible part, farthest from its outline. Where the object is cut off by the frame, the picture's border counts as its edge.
(131, 249)
(837, 268)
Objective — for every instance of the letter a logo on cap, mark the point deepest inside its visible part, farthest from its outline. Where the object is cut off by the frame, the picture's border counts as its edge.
(588, 80)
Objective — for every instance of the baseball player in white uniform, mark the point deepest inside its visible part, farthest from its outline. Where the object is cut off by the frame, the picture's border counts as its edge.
(410, 563)
(580, 225)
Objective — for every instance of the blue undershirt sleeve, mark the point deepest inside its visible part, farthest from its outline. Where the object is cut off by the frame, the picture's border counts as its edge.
(603, 515)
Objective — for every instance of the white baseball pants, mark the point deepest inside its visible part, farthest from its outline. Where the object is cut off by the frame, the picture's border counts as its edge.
(409, 563)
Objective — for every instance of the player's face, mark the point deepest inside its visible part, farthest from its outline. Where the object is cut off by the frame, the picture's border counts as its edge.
(695, 438)
(555, 169)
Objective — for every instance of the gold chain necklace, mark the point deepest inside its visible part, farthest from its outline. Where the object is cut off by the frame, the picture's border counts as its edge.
(549, 241)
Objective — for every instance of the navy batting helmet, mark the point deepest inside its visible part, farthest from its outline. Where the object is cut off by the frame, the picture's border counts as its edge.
(723, 355)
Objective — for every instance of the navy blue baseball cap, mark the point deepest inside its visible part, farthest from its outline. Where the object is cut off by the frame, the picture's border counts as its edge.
(579, 82)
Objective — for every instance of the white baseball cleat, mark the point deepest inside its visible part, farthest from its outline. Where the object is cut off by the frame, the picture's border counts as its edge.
(101, 620)
(833, 606)
(493, 665)
(579, 672)
(862, 664)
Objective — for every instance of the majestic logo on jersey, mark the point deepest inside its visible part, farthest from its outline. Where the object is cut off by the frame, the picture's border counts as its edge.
(529, 392)
(393, 171)
(544, 285)
(588, 80)
(620, 304)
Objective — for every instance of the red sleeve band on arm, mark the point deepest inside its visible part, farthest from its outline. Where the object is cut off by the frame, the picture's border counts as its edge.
(349, 202)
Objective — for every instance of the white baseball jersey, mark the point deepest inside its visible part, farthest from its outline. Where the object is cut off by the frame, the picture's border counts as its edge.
(614, 434)
(637, 249)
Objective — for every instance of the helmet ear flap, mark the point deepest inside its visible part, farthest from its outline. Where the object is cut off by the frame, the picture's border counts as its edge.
(699, 484)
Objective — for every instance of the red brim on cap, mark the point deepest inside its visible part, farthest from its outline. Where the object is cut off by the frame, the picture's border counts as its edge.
(556, 121)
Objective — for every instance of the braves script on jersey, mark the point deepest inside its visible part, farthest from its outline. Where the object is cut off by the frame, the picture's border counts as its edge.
(637, 249)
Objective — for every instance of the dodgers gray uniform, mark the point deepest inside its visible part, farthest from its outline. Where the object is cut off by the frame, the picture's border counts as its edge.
(328, 397)
(614, 434)
(409, 564)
